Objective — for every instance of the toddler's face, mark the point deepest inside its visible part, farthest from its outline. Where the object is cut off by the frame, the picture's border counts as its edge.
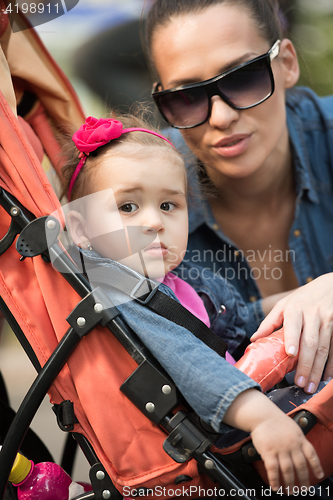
(137, 213)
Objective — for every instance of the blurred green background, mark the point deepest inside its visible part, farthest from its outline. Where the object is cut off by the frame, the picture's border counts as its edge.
(312, 33)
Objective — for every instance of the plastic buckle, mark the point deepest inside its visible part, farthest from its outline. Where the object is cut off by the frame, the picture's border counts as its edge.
(150, 295)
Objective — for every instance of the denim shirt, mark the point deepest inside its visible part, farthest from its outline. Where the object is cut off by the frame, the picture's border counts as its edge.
(310, 125)
(206, 380)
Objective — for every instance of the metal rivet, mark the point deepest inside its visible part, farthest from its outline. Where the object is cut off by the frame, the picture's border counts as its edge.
(251, 451)
(100, 475)
(106, 494)
(209, 464)
(222, 309)
(98, 308)
(14, 211)
(166, 389)
(150, 407)
(51, 224)
(81, 321)
(303, 422)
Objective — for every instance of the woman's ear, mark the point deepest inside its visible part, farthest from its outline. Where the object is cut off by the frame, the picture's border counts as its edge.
(77, 228)
(290, 63)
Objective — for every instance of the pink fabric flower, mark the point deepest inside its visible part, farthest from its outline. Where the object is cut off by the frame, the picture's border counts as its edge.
(94, 133)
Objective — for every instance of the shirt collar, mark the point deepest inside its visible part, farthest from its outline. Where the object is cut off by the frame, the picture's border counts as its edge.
(305, 184)
(199, 209)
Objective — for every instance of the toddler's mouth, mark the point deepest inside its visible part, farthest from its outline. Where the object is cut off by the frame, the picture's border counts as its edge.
(156, 249)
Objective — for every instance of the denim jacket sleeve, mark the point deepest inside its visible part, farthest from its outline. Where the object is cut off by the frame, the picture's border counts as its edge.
(256, 316)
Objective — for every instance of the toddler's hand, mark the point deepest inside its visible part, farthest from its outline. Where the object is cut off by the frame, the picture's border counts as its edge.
(284, 448)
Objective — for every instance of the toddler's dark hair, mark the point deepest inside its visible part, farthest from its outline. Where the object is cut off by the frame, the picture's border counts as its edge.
(141, 139)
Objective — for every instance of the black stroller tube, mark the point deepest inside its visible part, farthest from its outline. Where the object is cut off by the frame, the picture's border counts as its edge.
(31, 403)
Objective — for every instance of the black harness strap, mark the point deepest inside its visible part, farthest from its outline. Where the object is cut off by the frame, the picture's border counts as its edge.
(147, 293)
(173, 311)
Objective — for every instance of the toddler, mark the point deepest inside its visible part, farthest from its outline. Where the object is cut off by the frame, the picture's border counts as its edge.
(128, 210)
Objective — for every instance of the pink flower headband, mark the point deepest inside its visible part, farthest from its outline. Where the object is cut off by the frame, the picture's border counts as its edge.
(95, 133)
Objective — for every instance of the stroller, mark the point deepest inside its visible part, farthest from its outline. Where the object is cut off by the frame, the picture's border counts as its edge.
(136, 431)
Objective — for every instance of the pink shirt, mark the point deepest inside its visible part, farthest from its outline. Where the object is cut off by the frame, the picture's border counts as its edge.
(189, 298)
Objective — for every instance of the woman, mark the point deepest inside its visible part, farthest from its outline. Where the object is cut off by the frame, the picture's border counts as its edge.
(264, 158)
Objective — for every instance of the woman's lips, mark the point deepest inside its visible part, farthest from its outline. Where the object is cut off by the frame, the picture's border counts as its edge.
(233, 145)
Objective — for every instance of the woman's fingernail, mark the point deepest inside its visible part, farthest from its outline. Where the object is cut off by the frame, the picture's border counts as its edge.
(310, 388)
(300, 382)
(292, 350)
(328, 379)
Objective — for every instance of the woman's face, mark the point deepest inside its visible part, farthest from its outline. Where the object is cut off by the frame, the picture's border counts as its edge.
(196, 47)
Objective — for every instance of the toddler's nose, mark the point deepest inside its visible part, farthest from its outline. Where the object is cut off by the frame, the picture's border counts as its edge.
(152, 221)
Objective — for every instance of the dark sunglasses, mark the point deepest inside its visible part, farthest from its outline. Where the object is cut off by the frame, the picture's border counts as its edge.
(242, 87)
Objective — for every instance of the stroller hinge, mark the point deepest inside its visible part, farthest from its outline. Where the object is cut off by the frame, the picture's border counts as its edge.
(93, 310)
(151, 392)
(186, 438)
(306, 420)
(38, 236)
(20, 218)
(102, 484)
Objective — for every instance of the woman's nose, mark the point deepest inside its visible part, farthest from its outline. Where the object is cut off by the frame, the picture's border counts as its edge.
(222, 115)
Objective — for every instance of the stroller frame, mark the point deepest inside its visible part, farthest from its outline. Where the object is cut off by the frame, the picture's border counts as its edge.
(188, 437)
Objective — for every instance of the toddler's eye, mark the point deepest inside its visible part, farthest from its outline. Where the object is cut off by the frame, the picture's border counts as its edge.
(166, 206)
(128, 207)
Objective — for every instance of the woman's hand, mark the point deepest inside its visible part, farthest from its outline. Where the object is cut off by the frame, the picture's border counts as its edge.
(307, 317)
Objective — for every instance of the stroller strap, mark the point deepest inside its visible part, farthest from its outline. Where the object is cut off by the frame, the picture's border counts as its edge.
(147, 293)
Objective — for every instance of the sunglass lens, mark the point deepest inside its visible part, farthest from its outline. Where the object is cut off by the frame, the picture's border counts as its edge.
(247, 86)
(185, 108)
